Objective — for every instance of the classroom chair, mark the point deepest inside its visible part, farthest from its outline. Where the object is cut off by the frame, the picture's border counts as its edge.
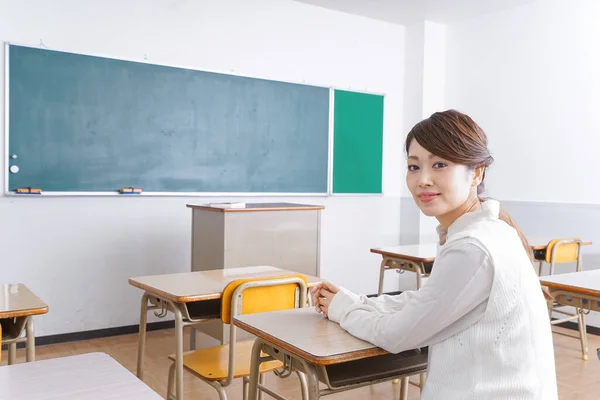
(219, 365)
(559, 251)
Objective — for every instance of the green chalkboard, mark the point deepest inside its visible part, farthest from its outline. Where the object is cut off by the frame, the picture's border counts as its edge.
(80, 123)
(358, 138)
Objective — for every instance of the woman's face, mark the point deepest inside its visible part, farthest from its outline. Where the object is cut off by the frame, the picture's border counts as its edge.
(441, 188)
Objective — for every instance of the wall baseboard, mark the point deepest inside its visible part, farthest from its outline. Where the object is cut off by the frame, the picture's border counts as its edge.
(593, 330)
(96, 334)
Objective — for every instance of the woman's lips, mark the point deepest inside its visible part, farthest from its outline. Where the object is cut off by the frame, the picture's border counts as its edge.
(426, 197)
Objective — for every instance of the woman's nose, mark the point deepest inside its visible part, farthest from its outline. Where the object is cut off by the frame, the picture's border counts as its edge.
(424, 178)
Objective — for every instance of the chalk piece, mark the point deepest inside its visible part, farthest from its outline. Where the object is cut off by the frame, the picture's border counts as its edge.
(28, 190)
(130, 190)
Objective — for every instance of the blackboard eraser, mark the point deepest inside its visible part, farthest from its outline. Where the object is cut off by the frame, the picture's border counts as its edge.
(28, 190)
(130, 190)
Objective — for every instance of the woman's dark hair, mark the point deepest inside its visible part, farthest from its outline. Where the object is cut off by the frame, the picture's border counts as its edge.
(455, 137)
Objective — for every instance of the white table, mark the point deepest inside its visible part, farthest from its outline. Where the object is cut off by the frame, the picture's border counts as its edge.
(89, 376)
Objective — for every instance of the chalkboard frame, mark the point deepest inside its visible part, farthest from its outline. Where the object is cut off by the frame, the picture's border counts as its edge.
(331, 142)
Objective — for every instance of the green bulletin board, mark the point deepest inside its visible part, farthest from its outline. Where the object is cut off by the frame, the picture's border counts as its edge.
(358, 142)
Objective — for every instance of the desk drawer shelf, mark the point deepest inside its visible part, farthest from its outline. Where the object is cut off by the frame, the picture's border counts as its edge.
(371, 369)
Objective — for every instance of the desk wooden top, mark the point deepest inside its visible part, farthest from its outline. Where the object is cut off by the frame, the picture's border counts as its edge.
(89, 376)
(417, 252)
(427, 252)
(250, 207)
(584, 282)
(307, 334)
(16, 300)
(187, 287)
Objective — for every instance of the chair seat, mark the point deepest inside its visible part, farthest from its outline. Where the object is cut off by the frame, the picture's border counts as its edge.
(211, 363)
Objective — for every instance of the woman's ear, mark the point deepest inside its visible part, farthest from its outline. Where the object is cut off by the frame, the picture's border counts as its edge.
(478, 175)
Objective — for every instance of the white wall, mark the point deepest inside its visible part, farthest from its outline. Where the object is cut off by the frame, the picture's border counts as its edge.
(529, 77)
(434, 92)
(77, 253)
(425, 74)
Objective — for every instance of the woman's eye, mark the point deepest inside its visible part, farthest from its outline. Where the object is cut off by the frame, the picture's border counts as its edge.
(439, 165)
(412, 168)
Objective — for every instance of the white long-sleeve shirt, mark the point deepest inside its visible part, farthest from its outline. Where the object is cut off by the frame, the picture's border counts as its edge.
(454, 298)
(481, 313)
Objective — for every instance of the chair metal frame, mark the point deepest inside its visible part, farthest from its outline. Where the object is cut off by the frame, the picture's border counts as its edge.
(561, 300)
(236, 309)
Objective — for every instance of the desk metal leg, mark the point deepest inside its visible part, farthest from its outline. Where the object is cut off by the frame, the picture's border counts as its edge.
(419, 270)
(170, 381)
(12, 353)
(404, 382)
(310, 371)
(381, 274)
(192, 338)
(254, 369)
(303, 385)
(417, 267)
(30, 343)
(582, 333)
(178, 352)
(142, 336)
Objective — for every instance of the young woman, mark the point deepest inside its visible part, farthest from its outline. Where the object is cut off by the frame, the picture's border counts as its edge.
(482, 311)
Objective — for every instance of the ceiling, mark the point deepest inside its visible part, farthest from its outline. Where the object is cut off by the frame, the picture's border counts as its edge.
(404, 12)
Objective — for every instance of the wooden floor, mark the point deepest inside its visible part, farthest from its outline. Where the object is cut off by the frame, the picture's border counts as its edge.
(577, 379)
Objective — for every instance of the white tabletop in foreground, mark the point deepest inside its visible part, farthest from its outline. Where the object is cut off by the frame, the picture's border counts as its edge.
(82, 377)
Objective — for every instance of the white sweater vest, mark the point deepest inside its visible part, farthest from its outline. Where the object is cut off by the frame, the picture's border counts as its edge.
(508, 353)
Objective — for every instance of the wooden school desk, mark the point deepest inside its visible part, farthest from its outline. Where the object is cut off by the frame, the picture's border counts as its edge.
(416, 258)
(193, 298)
(306, 341)
(92, 376)
(419, 258)
(576, 289)
(18, 305)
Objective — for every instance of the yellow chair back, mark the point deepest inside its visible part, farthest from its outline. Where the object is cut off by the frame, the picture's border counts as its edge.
(563, 252)
(262, 298)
